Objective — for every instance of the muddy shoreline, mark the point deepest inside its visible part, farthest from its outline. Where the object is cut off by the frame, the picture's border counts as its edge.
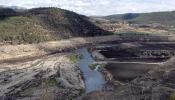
(135, 79)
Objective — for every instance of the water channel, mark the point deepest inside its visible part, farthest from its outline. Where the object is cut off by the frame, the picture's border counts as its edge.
(94, 80)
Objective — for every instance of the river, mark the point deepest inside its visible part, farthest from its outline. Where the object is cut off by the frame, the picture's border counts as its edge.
(94, 80)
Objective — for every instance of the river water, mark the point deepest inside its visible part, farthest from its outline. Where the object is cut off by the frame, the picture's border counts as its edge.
(94, 80)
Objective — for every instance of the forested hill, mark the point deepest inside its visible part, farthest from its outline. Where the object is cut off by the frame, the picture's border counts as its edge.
(44, 24)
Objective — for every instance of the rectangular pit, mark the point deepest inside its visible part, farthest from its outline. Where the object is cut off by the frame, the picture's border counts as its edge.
(128, 71)
(126, 61)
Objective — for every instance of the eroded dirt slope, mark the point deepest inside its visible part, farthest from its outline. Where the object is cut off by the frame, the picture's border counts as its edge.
(52, 77)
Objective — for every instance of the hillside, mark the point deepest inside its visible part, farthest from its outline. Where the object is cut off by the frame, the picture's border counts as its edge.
(43, 24)
(6, 12)
(165, 18)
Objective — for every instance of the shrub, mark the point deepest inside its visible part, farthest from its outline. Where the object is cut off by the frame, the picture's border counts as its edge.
(172, 96)
(93, 66)
(75, 57)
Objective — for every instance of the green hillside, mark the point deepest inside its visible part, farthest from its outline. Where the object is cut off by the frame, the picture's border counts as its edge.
(44, 24)
(166, 18)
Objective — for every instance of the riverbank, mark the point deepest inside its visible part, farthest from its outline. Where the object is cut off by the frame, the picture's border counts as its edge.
(157, 84)
(15, 52)
(52, 77)
(129, 80)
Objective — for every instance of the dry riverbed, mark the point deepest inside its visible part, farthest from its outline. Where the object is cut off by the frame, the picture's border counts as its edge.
(55, 76)
(30, 72)
(13, 52)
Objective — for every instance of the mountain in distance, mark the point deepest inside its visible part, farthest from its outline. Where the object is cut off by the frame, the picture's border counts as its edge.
(165, 18)
(17, 8)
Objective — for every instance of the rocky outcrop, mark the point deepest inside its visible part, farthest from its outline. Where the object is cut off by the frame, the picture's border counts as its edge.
(53, 77)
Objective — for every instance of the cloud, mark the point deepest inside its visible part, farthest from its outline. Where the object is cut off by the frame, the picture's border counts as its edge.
(98, 7)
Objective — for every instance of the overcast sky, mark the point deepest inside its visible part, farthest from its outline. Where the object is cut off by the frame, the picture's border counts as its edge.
(98, 7)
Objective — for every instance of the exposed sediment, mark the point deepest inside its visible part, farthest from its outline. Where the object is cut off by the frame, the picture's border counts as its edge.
(135, 79)
(14, 52)
(134, 70)
(53, 77)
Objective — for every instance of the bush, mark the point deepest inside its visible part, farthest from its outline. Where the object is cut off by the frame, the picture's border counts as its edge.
(75, 58)
(93, 66)
(172, 96)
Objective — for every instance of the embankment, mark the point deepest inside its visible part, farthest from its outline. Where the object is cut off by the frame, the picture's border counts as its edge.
(21, 52)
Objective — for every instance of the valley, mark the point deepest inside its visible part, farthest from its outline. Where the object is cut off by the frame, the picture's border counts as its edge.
(64, 71)
(50, 53)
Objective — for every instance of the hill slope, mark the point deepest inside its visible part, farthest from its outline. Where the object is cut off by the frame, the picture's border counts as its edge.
(166, 18)
(44, 24)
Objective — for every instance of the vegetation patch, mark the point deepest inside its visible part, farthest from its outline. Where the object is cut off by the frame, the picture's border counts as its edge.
(52, 82)
(75, 58)
(44, 24)
(19, 29)
(172, 96)
(89, 50)
(81, 56)
(74, 96)
(82, 91)
(93, 66)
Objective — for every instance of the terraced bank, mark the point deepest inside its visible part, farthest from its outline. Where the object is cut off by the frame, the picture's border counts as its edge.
(136, 70)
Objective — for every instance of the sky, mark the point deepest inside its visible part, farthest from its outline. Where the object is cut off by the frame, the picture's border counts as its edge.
(98, 7)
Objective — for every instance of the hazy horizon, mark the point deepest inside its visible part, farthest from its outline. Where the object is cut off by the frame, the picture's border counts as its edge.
(98, 7)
